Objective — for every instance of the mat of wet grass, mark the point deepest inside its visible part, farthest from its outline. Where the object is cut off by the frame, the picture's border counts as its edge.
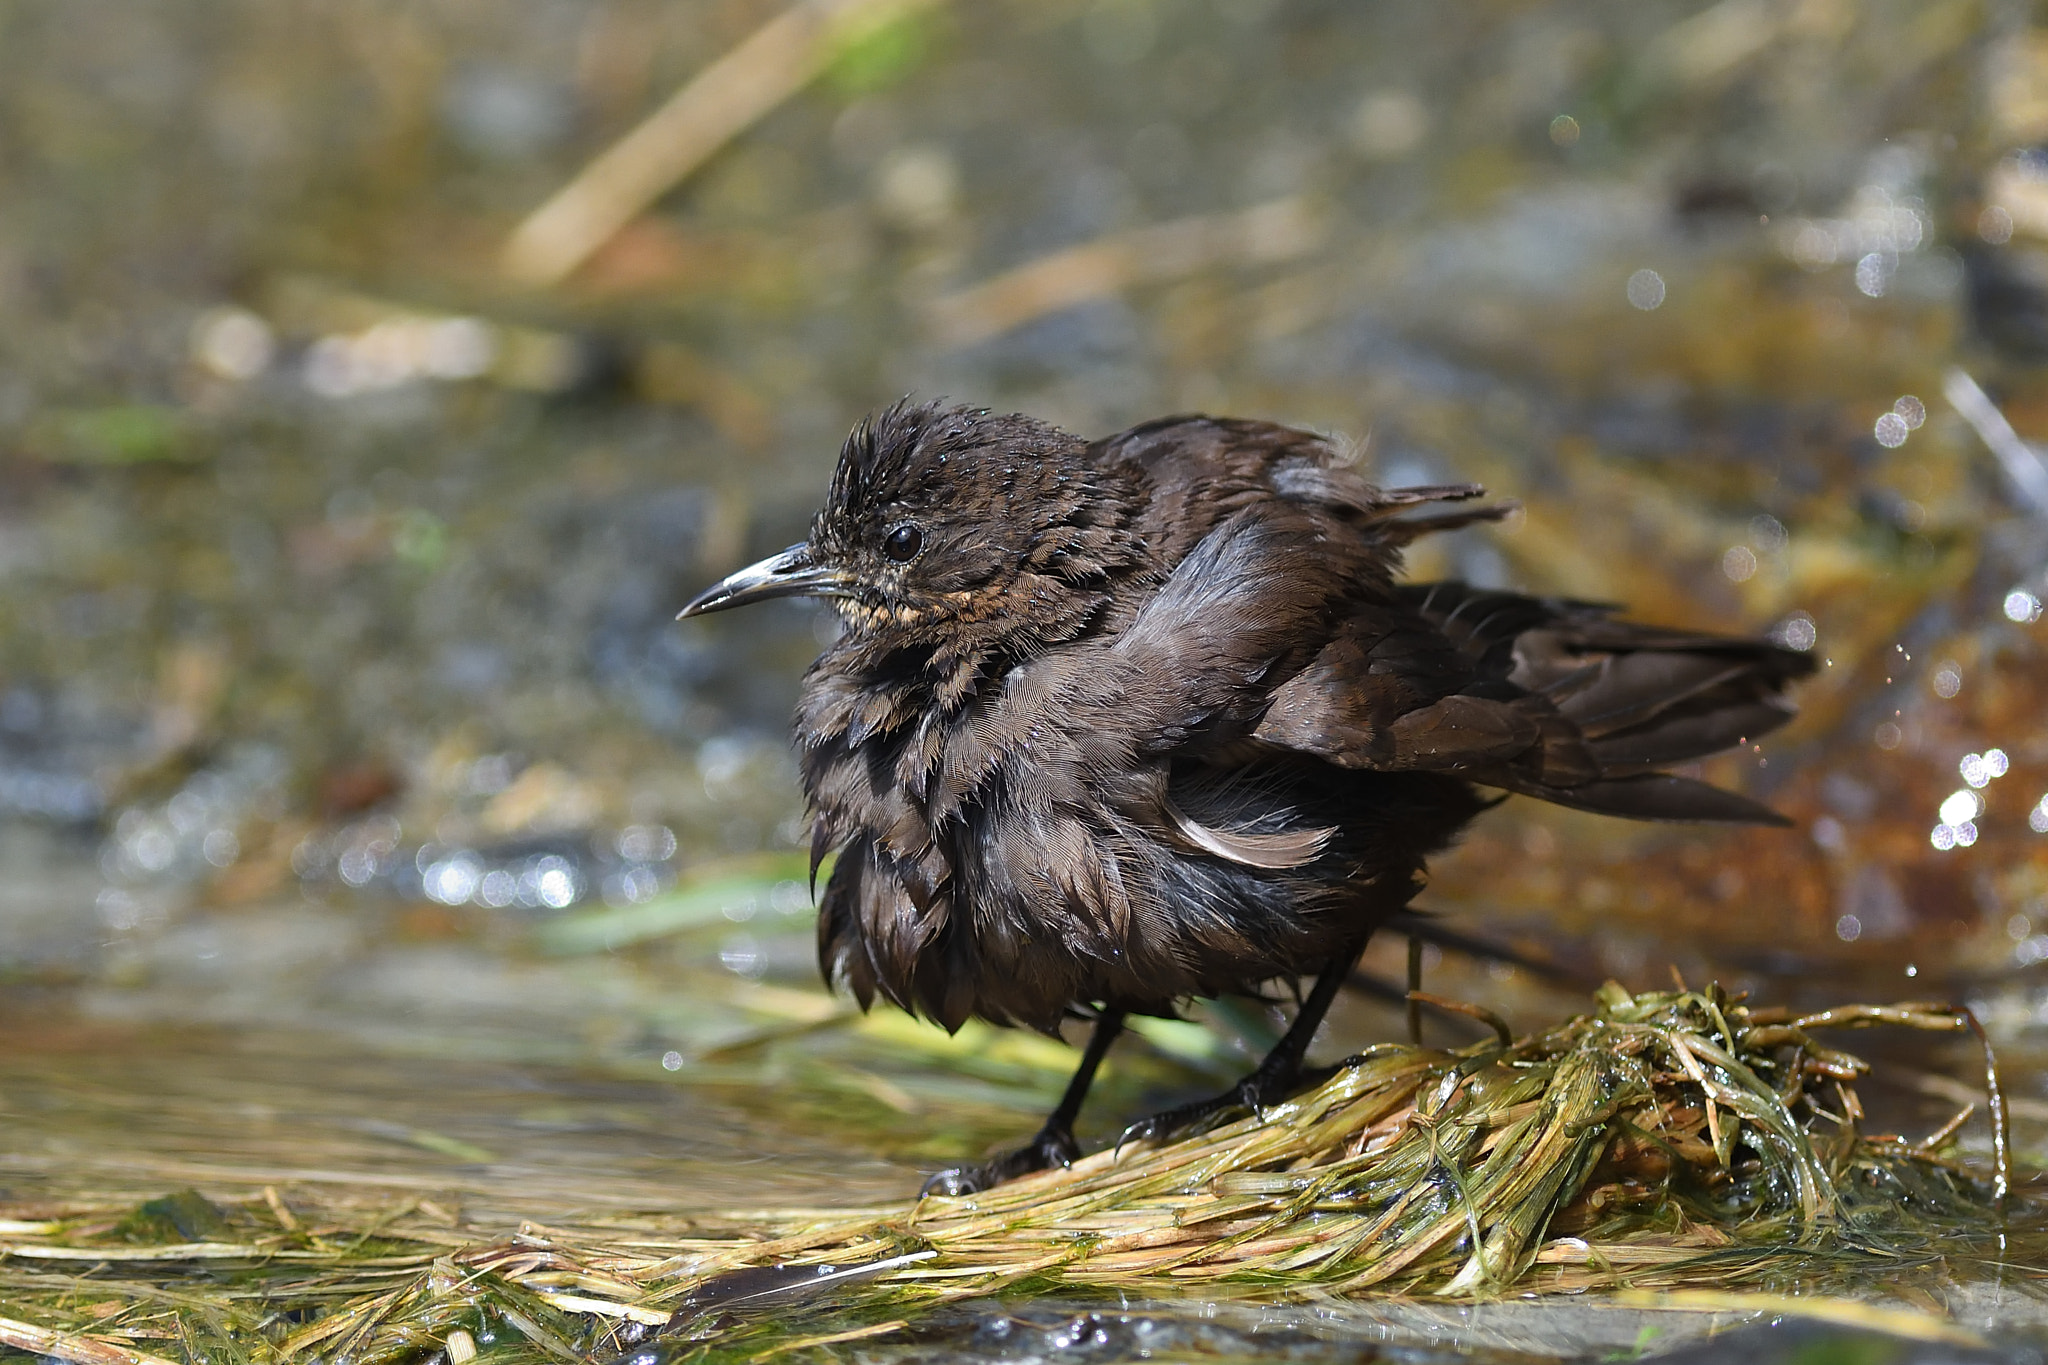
(1678, 1146)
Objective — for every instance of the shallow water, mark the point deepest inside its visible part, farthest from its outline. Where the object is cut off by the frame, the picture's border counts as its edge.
(365, 816)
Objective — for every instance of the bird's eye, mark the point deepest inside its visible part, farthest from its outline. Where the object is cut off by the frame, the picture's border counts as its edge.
(903, 543)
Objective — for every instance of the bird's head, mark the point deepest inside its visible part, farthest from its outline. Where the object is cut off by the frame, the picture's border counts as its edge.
(943, 520)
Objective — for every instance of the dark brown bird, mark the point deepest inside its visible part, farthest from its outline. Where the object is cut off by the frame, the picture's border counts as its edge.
(1121, 723)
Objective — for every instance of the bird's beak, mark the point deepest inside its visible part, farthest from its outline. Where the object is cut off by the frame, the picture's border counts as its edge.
(793, 573)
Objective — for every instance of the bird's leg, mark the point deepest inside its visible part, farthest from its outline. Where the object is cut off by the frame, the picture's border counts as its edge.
(1276, 1077)
(1054, 1145)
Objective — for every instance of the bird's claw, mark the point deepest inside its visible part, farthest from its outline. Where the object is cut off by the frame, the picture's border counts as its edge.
(1251, 1094)
(1052, 1148)
(1255, 1094)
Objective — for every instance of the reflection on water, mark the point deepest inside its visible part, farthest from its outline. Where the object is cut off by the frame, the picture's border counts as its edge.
(107, 1107)
(340, 698)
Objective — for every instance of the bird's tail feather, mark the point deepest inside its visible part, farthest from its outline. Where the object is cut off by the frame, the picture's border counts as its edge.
(1400, 531)
(1383, 510)
(1652, 796)
(1618, 702)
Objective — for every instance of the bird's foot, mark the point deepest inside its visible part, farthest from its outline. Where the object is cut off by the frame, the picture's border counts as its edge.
(1254, 1094)
(1052, 1148)
(1190, 1118)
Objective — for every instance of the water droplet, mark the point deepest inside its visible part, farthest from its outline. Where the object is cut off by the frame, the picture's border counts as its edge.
(453, 880)
(1646, 290)
(1814, 247)
(646, 843)
(1961, 807)
(358, 866)
(221, 847)
(742, 956)
(1796, 631)
(555, 886)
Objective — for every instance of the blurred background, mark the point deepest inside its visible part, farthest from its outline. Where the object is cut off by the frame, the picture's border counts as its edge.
(380, 378)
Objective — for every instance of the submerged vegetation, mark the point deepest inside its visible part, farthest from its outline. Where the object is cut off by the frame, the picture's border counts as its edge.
(1670, 1141)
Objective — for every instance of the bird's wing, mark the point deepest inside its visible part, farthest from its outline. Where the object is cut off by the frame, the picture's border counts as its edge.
(1551, 698)
(1199, 470)
(1250, 603)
